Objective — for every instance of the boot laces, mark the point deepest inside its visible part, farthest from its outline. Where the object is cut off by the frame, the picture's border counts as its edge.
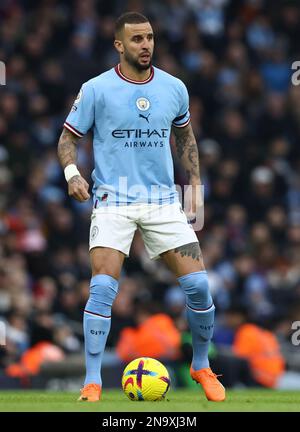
(212, 374)
(90, 387)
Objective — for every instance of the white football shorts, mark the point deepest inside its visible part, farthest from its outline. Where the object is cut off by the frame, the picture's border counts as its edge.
(163, 227)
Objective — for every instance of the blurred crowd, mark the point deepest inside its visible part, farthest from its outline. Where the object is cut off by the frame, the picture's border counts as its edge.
(235, 57)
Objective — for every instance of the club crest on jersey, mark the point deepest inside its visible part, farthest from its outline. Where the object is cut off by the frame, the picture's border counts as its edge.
(78, 97)
(143, 104)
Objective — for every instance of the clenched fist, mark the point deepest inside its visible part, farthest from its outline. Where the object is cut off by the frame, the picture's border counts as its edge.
(78, 188)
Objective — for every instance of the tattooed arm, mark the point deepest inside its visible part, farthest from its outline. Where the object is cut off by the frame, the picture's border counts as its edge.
(187, 152)
(67, 155)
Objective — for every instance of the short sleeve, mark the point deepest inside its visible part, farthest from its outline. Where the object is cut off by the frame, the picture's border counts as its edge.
(183, 117)
(82, 114)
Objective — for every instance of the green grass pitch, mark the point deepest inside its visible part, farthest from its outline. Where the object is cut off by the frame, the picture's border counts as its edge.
(176, 401)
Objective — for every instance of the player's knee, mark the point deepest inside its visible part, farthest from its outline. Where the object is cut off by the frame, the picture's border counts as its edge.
(110, 269)
(196, 287)
(103, 291)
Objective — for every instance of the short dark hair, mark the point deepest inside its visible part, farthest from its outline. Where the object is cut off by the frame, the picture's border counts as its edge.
(129, 18)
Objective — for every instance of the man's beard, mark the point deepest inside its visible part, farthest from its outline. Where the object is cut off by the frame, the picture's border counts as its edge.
(134, 62)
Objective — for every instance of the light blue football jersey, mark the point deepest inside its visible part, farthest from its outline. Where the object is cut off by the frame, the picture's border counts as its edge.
(131, 123)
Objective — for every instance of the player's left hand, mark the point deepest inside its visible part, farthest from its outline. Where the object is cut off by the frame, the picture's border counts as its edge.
(78, 188)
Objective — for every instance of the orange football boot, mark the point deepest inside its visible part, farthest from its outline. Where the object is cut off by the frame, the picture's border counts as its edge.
(90, 393)
(212, 387)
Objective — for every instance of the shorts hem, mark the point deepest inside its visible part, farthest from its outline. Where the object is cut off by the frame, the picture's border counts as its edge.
(109, 247)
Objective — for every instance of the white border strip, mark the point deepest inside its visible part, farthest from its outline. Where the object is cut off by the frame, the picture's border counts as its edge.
(71, 129)
(201, 311)
(182, 125)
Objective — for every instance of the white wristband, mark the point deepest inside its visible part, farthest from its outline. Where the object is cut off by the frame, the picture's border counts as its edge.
(71, 171)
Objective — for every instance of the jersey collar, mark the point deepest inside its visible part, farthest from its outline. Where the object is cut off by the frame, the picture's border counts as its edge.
(118, 72)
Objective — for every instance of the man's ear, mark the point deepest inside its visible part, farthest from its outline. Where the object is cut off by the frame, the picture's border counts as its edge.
(119, 46)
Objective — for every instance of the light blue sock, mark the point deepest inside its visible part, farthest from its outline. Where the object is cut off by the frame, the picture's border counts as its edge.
(200, 315)
(96, 324)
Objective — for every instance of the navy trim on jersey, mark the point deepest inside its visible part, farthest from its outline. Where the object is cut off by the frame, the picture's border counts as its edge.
(183, 124)
(177, 119)
(119, 73)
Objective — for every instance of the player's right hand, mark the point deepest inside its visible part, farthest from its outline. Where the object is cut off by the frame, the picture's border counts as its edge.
(78, 188)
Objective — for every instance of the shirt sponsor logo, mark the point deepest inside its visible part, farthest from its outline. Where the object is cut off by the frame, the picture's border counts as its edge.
(140, 133)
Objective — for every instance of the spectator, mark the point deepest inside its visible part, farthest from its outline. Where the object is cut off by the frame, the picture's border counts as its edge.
(155, 336)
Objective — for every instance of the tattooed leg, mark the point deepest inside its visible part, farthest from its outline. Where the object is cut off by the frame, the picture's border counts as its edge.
(187, 264)
(184, 259)
(191, 249)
